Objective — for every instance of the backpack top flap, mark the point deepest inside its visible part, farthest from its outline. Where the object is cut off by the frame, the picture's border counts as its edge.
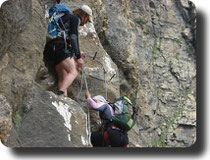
(122, 117)
(123, 105)
(119, 106)
(58, 9)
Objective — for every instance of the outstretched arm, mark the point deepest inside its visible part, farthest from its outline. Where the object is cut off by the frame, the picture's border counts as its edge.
(91, 102)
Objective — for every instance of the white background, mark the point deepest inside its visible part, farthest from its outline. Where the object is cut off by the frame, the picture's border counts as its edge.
(203, 8)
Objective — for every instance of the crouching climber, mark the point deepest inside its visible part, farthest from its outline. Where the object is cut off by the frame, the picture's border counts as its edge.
(108, 134)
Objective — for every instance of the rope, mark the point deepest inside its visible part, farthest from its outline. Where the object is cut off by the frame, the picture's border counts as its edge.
(86, 85)
(105, 85)
(83, 79)
(88, 116)
(81, 87)
(104, 76)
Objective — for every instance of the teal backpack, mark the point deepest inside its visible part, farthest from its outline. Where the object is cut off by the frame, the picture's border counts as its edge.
(125, 113)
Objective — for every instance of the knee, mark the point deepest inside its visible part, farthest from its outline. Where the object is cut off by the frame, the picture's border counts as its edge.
(74, 73)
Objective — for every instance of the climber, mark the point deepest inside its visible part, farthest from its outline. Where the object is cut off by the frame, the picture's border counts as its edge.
(108, 134)
(65, 58)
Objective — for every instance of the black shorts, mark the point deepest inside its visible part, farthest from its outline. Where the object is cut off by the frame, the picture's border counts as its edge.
(55, 51)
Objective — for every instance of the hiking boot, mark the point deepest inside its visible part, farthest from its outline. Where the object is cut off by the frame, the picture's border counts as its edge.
(60, 93)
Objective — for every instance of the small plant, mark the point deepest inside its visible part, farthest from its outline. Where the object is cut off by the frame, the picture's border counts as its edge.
(141, 21)
(17, 119)
(127, 13)
(190, 50)
(160, 142)
(177, 56)
(157, 46)
(154, 50)
(147, 117)
(180, 40)
(160, 3)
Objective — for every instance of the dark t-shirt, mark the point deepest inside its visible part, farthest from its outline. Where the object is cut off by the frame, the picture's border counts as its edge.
(72, 22)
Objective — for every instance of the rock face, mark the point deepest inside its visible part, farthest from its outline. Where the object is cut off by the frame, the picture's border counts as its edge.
(5, 117)
(147, 50)
(152, 43)
(50, 121)
(21, 60)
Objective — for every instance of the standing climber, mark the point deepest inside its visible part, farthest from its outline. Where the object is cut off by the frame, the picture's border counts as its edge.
(108, 134)
(67, 58)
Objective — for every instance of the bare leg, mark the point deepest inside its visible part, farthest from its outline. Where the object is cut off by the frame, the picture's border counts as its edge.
(61, 76)
(67, 72)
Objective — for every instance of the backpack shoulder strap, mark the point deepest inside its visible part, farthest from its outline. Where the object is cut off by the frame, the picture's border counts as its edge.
(106, 138)
(112, 105)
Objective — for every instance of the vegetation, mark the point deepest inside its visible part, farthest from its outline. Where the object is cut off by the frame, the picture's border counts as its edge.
(180, 40)
(141, 21)
(157, 46)
(17, 119)
(160, 142)
(190, 50)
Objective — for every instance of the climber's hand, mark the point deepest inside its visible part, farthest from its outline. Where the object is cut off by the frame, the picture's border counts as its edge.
(87, 95)
(83, 55)
(79, 62)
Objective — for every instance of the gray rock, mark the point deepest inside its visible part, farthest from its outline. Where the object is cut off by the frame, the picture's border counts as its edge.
(160, 57)
(51, 121)
(14, 17)
(5, 118)
(22, 48)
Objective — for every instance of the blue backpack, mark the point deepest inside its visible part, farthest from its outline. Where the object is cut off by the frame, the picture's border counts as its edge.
(55, 14)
